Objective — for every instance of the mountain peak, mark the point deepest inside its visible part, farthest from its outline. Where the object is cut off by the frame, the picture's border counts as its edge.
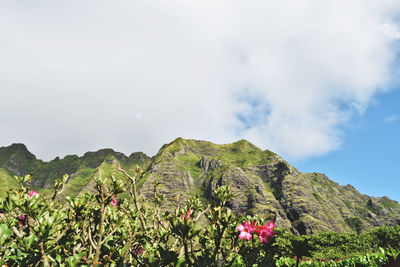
(18, 146)
(95, 158)
(17, 158)
(100, 152)
(243, 144)
(14, 149)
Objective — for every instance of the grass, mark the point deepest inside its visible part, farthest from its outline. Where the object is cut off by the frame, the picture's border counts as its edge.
(243, 154)
(191, 163)
(83, 177)
(317, 197)
(6, 182)
(390, 204)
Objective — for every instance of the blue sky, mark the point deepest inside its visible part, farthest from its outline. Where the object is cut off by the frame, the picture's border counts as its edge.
(309, 80)
(369, 158)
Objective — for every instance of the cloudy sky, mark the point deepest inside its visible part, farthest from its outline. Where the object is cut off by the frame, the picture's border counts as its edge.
(309, 79)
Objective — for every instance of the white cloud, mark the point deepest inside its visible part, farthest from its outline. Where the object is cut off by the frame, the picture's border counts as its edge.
(391, 118)
(132, 75)
(391, 31)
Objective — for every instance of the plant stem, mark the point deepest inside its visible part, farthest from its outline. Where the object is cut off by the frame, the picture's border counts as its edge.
(44, 259)
(187, 258)
(100, 233)
(133, 193)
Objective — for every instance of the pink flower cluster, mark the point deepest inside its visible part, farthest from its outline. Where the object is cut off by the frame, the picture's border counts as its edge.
(138, 250)
(114, 201)
(264, 232)
(33, 193)
(246, 230)
(22, 219)
(187, 217)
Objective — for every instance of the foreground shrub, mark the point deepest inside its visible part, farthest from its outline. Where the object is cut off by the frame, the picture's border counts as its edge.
(101, 228)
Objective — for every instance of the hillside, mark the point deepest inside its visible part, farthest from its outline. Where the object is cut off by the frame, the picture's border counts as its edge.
(17, 160)
(263, 182)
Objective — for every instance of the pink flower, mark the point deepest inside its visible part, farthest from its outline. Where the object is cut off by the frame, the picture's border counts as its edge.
(114, 201)
(265, 232)
(139, 251)
(33, 193)
(21, 219)
(3, 216)
(246, 230)
(187, 217)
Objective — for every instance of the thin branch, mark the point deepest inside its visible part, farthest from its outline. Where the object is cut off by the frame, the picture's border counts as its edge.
(176, 242)
(201, 213)
(16, 232)
(62, 189)
(57, 192)
(132, 178)
(109, 235)
(128, 246)
(133, 194)
(50, 258)
(44, 259)
(154, 221)
(92, 243)
(63, 232)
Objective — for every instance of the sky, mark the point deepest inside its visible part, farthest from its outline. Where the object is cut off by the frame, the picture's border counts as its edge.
(315, 81)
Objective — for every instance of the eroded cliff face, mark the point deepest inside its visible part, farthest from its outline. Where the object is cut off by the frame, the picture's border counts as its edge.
(262, 183)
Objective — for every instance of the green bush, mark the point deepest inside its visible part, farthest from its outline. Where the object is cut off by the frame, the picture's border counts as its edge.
(101, 229)
(354, 223)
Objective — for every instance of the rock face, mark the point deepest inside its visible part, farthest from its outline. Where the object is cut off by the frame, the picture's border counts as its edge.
(262, 183)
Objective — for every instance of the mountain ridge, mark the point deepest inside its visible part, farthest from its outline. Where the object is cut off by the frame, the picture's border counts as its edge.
(262, 182)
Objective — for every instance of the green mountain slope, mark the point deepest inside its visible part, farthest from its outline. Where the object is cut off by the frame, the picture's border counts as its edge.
(17, 160)
(263, 183)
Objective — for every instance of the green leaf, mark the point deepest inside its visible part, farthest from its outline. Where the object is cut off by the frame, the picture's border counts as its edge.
(180, 261)
(29, 240)
(5, 233)
(27, 178)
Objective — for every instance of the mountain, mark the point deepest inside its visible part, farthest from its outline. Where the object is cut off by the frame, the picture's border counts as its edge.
(17, 160)
(262, 182)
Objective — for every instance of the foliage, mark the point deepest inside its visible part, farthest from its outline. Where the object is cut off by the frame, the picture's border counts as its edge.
(101, 228)
(355, 223)
(260, 180)
(372, 259)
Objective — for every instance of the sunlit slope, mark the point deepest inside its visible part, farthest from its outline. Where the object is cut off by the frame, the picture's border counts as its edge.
(265, 184)
(262, 182)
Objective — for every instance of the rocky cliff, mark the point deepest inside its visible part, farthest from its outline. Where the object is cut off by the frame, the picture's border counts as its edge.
(263, 183)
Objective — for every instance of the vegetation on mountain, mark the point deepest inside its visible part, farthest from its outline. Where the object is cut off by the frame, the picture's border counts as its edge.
(262, 183)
